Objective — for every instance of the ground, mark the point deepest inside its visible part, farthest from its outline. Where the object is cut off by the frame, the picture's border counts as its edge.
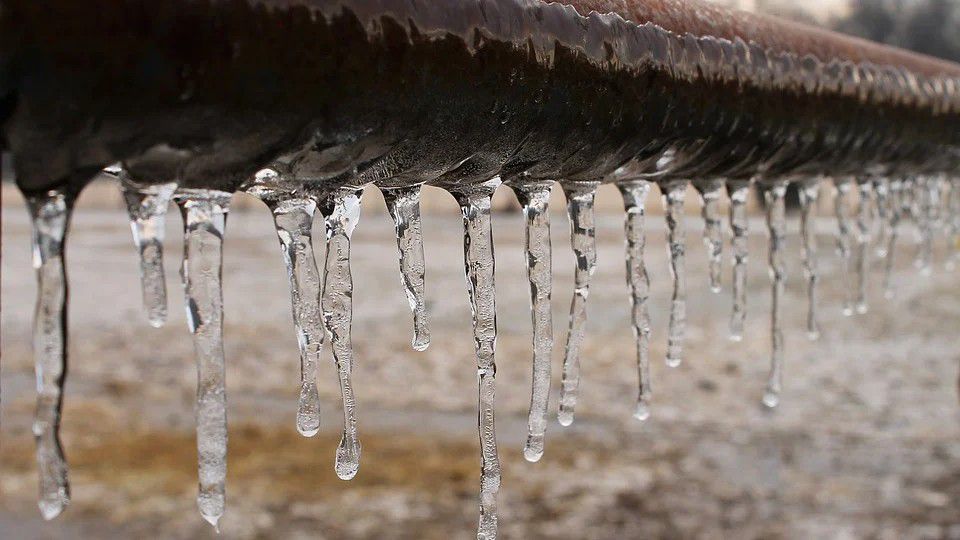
(865, 444)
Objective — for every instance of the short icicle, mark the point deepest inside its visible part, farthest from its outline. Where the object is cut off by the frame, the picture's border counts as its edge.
(479, 270)
(953, 225)
(710, 193)
(634, 200)
(809, 194)
(739, 223)
(863, 237)
(535, 199)
(580, 197)
(881, 198)
(342, 212)
(50, 214)
(147, 208)
(777, 227)
(673, 196)
(895, 212)
(403, 203)
(924, 205)
(204, 218)
(841, 205)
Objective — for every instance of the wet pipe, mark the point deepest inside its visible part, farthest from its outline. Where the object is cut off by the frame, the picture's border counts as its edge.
(304, 102)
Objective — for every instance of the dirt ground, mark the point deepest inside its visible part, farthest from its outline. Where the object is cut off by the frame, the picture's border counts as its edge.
(865, 444)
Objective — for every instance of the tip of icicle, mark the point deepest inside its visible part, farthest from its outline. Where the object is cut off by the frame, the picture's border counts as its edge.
(674, 362)
(51, 509)
(565, 418)
(771, 400)
(213, 521)
(813, 335)
(642, 413)
(716, 289)
(736, 338)
(421, 344)
(862, 309)
(157, 322)
(307, 432)
(532, 455)
(848, 312)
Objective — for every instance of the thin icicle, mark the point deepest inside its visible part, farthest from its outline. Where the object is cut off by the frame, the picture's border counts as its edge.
(673, 195)
(50, 214)
(204, 218)
(894, 215)
(881, 192)
(580, 197)
(147, 208)
(342, 212)
(809, 193)
(864, 227)
(403, 203)
(953, 226)
(535, 199)
(634, 199)
(841, 204)
(738, 192)
(479, 271)
(923, 214)
(777, 227)
(710, 193)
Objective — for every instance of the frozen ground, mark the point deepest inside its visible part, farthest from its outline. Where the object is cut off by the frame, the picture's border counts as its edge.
(865, 444)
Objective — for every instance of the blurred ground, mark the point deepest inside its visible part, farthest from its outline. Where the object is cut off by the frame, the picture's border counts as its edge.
(865, 444)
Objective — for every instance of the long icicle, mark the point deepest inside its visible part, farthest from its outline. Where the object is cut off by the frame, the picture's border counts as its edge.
(776, 225)
(673, 196)
(922, 213)
(293, 218)
(881, 192)
(50, 214)
(841, 206)
(204, 217)
(147, 208)
(535, 199)
(634, 200)
(738, 191)
(403, 203)
(580, 198)
(342, 212)
(894, 215)
(710, 193)
(953, 226)
(479, 270)
(864, 227)
(809, 194)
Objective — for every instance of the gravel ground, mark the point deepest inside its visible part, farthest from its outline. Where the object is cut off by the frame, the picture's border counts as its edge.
(865, 444)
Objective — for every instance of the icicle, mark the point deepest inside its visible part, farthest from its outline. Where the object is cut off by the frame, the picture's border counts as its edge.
(403, 203)
(809, 193)
(535, 199)
(710, 193)
(881, 191)
(894, 216)
(50, 214)
(841, 204)
(580, 197)
(923, 215)
(673, 196)
(479, 270)
(953, 226)
(738, 192)
(342, 212)
(204, 218)
(634, 199)
(147, 207)
(776, 225)
(864, 225)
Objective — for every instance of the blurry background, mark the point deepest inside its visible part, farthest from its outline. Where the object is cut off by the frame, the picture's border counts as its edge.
(865, 444)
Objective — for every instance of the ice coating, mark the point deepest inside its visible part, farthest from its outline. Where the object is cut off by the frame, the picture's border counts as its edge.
(478, 262)
(863, 237)
(535, 199)
(777, 228)
(673, 196)
(710, 193)
(403, 203)
(809, 195)
(580, 198)
(50, 215)
(634, 196)
(342, 212)
(841, 206)
(739, 224)
(204, 221)
(147, 208)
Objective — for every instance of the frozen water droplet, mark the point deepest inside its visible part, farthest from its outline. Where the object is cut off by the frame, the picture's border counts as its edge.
(580, 198)
(673, 195)
(809, 193)
(204, 218)
(738, 191)
(634, 196)
(479, 271)
(535, 199)
(147, 208)
(403, 203)
(50, 215)
(841, 204)
(710, 193)
(342, 212)
(777, 227)
(864, 227)
(894, 215)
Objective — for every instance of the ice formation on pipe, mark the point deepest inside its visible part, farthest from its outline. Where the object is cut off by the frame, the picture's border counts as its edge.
(634, 195)
(673, 196)
(403, 203)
